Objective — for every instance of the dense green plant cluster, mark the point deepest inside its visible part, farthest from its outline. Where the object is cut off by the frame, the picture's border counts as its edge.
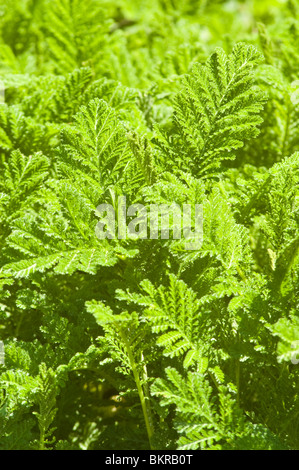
(139, 343)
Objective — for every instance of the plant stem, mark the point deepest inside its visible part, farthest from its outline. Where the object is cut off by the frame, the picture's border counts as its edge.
(142, 397)
(42, 439)
(238, 372)
(238, 381)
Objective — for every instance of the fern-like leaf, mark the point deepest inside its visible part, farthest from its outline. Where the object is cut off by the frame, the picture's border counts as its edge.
(217, 109)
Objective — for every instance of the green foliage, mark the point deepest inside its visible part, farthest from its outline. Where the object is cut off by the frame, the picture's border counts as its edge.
(130, 343)
(216, 110)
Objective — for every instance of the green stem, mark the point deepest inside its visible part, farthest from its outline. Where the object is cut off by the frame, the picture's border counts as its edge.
(42, 439)
(147, 394)
(238, 381)
(238, 373)
(142, 397)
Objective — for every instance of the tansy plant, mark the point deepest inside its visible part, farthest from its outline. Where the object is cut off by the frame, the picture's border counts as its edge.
(112, 343)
